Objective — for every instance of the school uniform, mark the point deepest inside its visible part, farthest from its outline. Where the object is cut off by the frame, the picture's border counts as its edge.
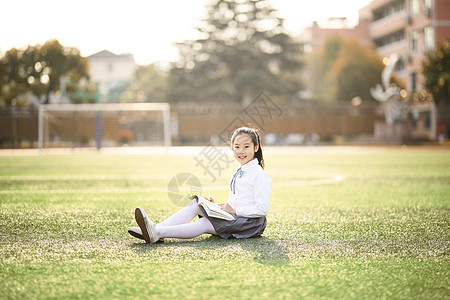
(249, 196)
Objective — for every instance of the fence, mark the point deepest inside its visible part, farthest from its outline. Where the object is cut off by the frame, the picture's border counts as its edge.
(198, 123)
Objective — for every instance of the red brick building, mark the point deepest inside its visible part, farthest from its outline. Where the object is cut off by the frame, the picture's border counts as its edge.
(408, 28)
(315, 36)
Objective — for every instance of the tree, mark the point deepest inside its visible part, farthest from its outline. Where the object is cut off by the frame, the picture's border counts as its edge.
(344, 69)
(436, 72)
(355, 71)
(12, 76)
(244, 50)
(38, 69)
(152, 83)
(319, 65)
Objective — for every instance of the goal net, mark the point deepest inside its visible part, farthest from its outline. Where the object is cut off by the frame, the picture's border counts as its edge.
(104, 125)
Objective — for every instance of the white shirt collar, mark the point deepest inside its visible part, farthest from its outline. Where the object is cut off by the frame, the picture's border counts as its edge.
(250, 164)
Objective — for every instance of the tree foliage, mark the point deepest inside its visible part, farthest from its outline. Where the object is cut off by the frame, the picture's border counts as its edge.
(436, 72)
(243, 50)
(38, 69)
(344, 69)
(151, 83)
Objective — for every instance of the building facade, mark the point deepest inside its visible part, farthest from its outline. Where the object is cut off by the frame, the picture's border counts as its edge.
(409, 29)
(315, 36)
(113, 73)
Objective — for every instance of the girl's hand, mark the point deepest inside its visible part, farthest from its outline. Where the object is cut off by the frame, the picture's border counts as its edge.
(226, 207)
(210, 199)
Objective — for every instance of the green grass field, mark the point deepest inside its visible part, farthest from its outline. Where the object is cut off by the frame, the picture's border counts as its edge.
(380, 231)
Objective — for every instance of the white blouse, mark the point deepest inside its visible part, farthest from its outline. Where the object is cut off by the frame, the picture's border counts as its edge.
(252, 188)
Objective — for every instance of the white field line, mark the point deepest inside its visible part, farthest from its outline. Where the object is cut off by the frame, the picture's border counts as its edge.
(334, 179)
(329, 180)
(195, 150)
(85, 177)
(86, 191)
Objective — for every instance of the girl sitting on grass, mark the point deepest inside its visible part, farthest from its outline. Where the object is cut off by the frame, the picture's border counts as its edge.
(249, 196)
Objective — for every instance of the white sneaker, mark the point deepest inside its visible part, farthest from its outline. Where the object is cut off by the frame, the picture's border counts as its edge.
(148, 228)
(136, 232)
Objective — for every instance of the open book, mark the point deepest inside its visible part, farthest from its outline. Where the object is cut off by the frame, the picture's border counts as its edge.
(212, 209)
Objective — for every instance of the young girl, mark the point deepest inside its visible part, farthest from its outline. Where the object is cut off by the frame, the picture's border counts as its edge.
(248, 202)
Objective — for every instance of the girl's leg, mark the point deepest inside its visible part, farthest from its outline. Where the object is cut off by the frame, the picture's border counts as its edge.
(186, 231)
(183, 216)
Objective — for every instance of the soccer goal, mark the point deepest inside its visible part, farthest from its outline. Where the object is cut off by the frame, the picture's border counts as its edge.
(104, 125)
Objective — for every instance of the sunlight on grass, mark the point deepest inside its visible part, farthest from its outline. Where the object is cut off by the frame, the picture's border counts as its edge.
(380, 232)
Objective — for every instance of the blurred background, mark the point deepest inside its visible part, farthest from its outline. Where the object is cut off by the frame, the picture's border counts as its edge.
(144, 73)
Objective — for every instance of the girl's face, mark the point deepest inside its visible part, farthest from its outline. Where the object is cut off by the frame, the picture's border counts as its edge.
(244, 149)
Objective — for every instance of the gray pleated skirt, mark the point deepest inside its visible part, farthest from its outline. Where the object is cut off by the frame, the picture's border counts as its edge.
(240, 227)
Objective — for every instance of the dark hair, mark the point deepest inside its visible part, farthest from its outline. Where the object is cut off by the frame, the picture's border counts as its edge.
(255, 139)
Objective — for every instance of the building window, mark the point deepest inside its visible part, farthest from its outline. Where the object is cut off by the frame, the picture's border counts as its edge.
(413, 40)
(413, 82)
(414, 123)
(392, 8)
(428, 38)
(397, 36)
(400, 65)
(427, 7)
(428, 120)
(414, 6)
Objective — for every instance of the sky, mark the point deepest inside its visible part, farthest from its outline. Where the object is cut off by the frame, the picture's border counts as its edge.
(148, 29)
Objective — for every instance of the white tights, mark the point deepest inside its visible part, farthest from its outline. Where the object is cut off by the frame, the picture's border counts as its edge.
(178, 226)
